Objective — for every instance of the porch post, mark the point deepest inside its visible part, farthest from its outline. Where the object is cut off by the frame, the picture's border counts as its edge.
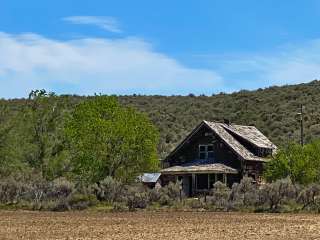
(225, 178)
(193, 183)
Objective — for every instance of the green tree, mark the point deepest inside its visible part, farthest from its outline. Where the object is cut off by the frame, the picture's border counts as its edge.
(37, 140)
(5, 128)
(300, 163)
(110, 140)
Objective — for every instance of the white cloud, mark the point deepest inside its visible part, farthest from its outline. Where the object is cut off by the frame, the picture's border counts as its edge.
(290, 64)
(93, 65)
(107, 23)
(131, 65)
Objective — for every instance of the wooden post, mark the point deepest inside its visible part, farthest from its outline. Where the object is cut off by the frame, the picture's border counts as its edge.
(225, 178)
(193, 183)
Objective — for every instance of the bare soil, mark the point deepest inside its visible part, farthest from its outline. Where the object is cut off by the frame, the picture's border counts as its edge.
(152, 225)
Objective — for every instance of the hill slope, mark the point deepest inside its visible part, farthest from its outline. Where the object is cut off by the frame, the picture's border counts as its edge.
(272, 110)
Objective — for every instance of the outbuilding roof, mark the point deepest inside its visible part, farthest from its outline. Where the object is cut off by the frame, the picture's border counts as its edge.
(149, 177)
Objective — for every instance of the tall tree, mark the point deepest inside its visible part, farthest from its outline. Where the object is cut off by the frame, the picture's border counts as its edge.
(5, 128)
(110, 140)
(38, 135)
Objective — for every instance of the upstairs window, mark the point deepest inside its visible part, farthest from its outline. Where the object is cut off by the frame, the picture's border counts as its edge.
(206, 151)
(264, 152)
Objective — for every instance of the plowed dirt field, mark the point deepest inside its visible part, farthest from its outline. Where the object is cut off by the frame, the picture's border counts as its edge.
(159, 226)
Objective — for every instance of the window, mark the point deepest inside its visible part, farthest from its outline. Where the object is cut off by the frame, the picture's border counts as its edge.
(206, 151)
(210, 151)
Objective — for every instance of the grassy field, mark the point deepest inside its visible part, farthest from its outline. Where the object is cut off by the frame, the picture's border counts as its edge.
(170, 225)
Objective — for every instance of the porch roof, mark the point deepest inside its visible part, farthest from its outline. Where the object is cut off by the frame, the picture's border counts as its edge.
(202, 168)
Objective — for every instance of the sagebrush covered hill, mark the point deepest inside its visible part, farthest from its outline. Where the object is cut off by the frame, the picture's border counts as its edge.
(272, 110)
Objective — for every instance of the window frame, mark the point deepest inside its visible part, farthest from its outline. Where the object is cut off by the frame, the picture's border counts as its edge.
(205, 151)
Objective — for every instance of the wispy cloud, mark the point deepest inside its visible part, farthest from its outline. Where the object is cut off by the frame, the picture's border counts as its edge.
(95, 65)
(106, 23)
(287, 64)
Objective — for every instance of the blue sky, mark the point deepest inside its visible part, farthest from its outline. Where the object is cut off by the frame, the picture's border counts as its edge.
(156, 47)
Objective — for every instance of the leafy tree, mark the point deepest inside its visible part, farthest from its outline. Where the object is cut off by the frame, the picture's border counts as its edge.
(36, 139)
(110, 140)
(5, 128)
(301, 164)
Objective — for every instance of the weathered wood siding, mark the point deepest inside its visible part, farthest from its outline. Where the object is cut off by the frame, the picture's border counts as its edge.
(190, 151)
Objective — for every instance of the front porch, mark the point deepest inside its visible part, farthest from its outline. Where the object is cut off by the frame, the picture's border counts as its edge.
(197, 179)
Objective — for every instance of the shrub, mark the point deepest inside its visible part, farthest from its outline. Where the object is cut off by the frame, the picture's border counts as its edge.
(38, 192)
(173, 190)
(244, 194)
(277, 192)
(155, 194)
(11, 191)
(80, 201)
(170, 193)
(220, 195)
(109, 190)
(310, 196)
(60, 188)
(119, 207)
(57, 205)
(137, 196)
(195, 203)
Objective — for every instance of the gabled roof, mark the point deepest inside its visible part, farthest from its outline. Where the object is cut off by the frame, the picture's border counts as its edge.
(236, 146)
(249, 133)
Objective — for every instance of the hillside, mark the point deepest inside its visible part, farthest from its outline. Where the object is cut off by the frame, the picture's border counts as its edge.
(273, 110)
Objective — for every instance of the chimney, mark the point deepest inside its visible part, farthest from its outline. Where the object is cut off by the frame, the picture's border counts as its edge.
(226, 121)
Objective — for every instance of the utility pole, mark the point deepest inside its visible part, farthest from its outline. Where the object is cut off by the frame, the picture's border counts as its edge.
(301, 125)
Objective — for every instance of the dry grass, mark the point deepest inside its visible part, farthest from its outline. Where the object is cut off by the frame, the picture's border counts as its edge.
(171, 225)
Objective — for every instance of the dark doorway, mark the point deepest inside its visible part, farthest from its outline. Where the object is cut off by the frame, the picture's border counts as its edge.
(202, 181)
(220, 177)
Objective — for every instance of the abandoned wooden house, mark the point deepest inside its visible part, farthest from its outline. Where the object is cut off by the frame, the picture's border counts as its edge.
(217, 152)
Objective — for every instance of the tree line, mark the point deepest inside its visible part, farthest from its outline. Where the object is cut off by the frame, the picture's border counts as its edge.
(65, 147)
(92, 139)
